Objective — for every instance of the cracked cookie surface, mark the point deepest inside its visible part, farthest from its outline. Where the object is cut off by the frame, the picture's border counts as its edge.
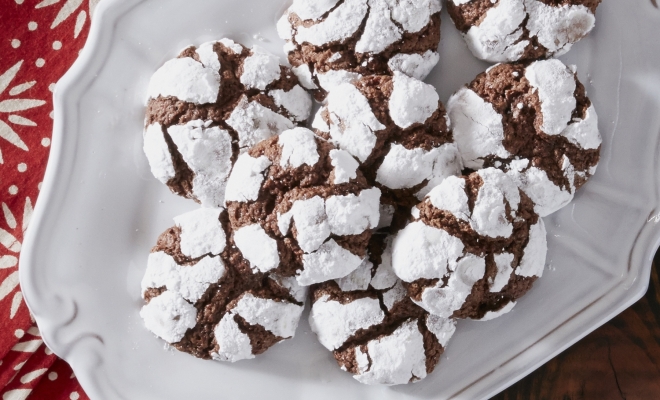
(203, 298)
(474, 246)
(331, 42)
(398, 130)
(210, 104)
(373, 328)
(535, 122)
(514, 30)
(300, 207)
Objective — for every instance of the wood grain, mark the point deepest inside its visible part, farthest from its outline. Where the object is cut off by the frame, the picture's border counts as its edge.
(620, 360)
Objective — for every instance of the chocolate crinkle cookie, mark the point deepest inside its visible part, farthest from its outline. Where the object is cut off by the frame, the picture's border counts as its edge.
(515, 30)
(300, 207)
(474, 247)
(535, 122)
(373, 328)
(203, 298)
(398, 130)
(329, 42)
(207, 106)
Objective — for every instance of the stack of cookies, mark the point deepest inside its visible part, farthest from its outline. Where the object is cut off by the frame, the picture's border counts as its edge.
(393, 216)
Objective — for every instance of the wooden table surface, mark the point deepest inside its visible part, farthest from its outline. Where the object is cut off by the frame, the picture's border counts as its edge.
(620, 360)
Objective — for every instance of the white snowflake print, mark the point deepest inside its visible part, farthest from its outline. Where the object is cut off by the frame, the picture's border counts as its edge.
(69, 8)
(11, 243)
(11, 105)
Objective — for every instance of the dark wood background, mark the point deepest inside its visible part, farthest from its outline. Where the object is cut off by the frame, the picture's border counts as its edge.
(620, 360)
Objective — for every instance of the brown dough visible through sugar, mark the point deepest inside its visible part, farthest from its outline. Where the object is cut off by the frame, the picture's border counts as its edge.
(212, 306)
(168, 111)
(523, 137)
(481, 300)
(473, 13)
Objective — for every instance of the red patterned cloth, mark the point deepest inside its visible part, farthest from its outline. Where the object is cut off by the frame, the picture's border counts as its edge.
(39, 40)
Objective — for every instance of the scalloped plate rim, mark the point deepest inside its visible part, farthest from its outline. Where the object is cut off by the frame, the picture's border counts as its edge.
(75, 80)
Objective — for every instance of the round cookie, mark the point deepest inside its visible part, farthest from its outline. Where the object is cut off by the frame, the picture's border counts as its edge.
(330, 42)
(516, 30)
(203, 298)
(474, 246)
(398, 129)
(300, 207)
(210, 104)
(373, 328)
(535, 122)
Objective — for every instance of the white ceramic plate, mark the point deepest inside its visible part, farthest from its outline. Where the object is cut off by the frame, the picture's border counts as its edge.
(100, 211)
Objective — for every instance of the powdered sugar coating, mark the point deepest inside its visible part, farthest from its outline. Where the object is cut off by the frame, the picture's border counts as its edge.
(490, 315)
(246, 178)
(316, 219)
(505, 32)
(584, 132)
(340, 24)
(231, 45)
(478, 128)
(560, 132)
(312, 227)
(413, 15)
(450, 196)
(296, 102)
(169, 316)
(189, 281)
(444, 301)
(504, 269)
(385, 278)
(345, 166)
(396, 359)
(187, 80)
(403, 168)
(278, 317)
(547, 196)
(257, 247)
(415, 65)
(312, 9)
(412, 101)
(555, 84)
(260, 69)
(424, 252)
(304, 76)
(358, 30)
(351, 214)
(291, 284)
(489, 214)
(334, 322)
(329, 261)
(332, 79)
(497, 37)
(379, 30)
(207, 151)
(298, 148)
(557, 28)
(258, 98)
(158, 154)
(207, 56)
(358, 279)
(254, 122)
(201, 232)
(462, 254)
(233, 345)
(353, 121)
(533, 259)
(442, 328)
